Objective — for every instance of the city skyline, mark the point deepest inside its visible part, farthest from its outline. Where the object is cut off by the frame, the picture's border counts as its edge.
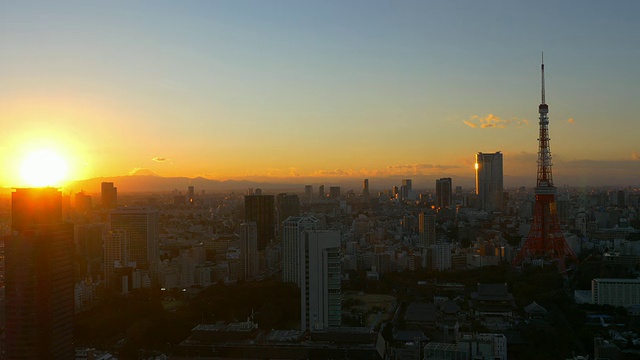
(315, 92)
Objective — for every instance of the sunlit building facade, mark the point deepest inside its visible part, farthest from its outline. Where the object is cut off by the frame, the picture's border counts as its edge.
(489, 181)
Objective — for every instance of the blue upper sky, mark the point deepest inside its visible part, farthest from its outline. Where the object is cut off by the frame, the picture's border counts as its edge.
(231, 89)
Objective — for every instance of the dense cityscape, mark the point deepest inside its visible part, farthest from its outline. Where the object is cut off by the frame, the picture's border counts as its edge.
(319, 180)
(403, 273)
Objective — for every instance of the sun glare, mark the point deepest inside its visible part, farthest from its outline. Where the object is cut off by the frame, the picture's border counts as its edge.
(44, 168)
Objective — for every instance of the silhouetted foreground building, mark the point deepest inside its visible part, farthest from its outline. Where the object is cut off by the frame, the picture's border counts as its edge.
(261, 210)
(39, 278)
(109, 195)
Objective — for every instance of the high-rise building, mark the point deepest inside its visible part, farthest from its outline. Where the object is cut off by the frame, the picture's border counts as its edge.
(308, 192)
(191, 193)
(286, 205)
(320, 290)
(250, 261)
(405, 189)
(141, 225)
(334, 192)
(321, 193)
(427, 229)
(489, 181)
(292, 246)
(444, 193)
(109, 195)
(39, 284)
(441, 257)
(88, 246)
(261, 210)
(83, 202)
(365, 189)
(116, 252)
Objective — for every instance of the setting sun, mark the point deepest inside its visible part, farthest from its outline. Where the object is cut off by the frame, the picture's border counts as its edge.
(44, 168)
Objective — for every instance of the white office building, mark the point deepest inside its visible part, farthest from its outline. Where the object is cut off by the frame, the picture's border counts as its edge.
(320, 288)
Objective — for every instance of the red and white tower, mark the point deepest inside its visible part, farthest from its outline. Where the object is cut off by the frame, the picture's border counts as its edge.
(545, 240)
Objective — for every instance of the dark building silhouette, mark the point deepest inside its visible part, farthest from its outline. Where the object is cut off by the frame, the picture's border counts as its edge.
(443, 193)
(142, 227)
(334, 192)
(308, 192)
(287, 205)
(405, 189)
(365, 189)
(83, 202)
(39, 292)
(109, 195)
(191, 193)
(261, 210)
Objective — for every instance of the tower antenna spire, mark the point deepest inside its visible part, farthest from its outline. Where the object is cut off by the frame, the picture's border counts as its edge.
(542, 71)
(545, 240)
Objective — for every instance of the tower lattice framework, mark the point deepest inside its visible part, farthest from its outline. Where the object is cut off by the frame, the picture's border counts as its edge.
(545, 240)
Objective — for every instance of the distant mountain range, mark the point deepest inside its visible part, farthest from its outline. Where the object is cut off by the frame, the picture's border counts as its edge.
(154, 183)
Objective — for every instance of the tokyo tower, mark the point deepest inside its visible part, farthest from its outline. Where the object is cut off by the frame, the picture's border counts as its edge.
(545, 240)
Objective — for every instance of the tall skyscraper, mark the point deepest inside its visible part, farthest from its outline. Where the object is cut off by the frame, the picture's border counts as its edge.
(286, 205)
(308, 192)
(83, 202)
(545, 240)
(292, 246)
(39, 284)
(141, 225)
(443, 193)
(88, 245)
(116, 255)
(261, 210)
(321, 193)
(250, 261)
(320, 290)
(365, 189)
(427, 229)
(489, 181)
(334, 192)
(405, 189)
(109, 195)
(191, 193)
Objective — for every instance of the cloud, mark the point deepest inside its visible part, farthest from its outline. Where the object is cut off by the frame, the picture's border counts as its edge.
(635, 156)
(142, 172)
(336, 172)
(417, 169)
(293, 172)
(571, 121)
(493, 121)
(160, 159)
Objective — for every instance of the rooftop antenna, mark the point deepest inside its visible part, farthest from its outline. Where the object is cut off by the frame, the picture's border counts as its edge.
(542, 68)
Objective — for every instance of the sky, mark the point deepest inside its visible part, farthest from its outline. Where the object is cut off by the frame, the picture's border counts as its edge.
(315, 91)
